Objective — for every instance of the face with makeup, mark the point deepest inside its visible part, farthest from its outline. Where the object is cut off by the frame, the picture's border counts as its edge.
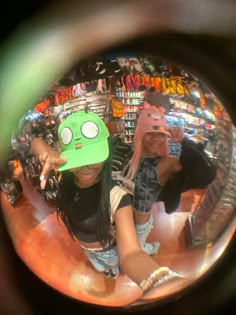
(154, 143)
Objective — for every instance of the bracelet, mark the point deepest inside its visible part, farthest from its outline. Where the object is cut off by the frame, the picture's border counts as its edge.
(171, 275)
(147, 283)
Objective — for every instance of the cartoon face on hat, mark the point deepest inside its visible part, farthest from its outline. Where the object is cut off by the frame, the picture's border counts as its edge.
(152, 119)
(83, 139)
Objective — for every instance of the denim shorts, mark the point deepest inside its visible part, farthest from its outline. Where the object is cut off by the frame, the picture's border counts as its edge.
(104, 260)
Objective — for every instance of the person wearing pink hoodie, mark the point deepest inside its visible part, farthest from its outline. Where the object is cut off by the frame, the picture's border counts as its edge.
(151, 175)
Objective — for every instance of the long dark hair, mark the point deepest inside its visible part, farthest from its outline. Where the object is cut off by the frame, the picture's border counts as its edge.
(104, 208)
(104, 227)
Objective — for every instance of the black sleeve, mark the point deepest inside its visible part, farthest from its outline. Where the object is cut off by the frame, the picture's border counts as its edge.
(170, 193)
(198, 172)
(126, 200)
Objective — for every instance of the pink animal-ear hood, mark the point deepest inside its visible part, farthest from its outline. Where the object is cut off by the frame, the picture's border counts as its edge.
(152, 119)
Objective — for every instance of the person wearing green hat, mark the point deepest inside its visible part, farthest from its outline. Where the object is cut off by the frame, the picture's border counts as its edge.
(96, 211)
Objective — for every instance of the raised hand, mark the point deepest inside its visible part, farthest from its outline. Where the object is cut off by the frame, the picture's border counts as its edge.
(176, 134)
(48, 162)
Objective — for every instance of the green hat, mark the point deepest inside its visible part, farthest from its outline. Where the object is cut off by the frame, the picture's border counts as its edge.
(83, 139)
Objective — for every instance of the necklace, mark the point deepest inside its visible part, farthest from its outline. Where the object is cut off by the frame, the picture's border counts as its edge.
(76, 197)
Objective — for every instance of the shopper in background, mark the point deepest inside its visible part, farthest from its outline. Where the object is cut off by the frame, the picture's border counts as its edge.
(21, 151)
(154, 176)
(96, 211)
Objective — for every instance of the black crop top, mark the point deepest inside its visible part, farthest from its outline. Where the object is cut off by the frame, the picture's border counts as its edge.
(81, 205)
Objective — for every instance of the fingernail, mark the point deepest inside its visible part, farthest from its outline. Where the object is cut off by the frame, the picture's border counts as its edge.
(43, 184)
(42, 177)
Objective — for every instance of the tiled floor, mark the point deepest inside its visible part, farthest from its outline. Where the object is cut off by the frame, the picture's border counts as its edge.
(45, 246)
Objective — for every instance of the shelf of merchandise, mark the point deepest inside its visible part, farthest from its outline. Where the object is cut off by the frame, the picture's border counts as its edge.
(92, 102)
(132, 102)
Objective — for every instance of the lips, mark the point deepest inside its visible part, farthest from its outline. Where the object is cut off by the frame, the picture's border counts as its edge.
(86, 176)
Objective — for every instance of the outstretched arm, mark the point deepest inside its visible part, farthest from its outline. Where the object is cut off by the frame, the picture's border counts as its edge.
(138, 265)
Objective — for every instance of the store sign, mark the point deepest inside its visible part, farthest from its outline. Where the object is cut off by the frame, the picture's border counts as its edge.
(42, 106)
(64, 96)
(172, 86)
